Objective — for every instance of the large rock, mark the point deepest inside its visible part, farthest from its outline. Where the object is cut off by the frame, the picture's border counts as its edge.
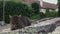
(18, 22)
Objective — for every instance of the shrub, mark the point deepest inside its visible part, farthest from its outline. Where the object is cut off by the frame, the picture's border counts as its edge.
(36, 7)
(58, 8)
(35, 16)
(53, 14)
(38, 16)
(42, 15)
(36, 11)
(13, 8)
(1, 10)
(47, 12)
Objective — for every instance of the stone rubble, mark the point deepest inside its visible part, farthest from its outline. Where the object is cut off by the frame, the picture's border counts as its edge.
(41, 26)
(45, 25)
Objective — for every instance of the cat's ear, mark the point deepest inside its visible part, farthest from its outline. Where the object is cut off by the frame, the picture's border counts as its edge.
(10, 16)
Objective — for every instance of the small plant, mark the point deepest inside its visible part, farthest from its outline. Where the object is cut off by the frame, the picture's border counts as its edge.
(47, 12)
(38, 16)
(53, 14)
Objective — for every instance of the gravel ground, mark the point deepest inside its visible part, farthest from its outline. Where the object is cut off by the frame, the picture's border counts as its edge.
(5, 27)
(43, 23)
(37, 27)
(57, 30)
